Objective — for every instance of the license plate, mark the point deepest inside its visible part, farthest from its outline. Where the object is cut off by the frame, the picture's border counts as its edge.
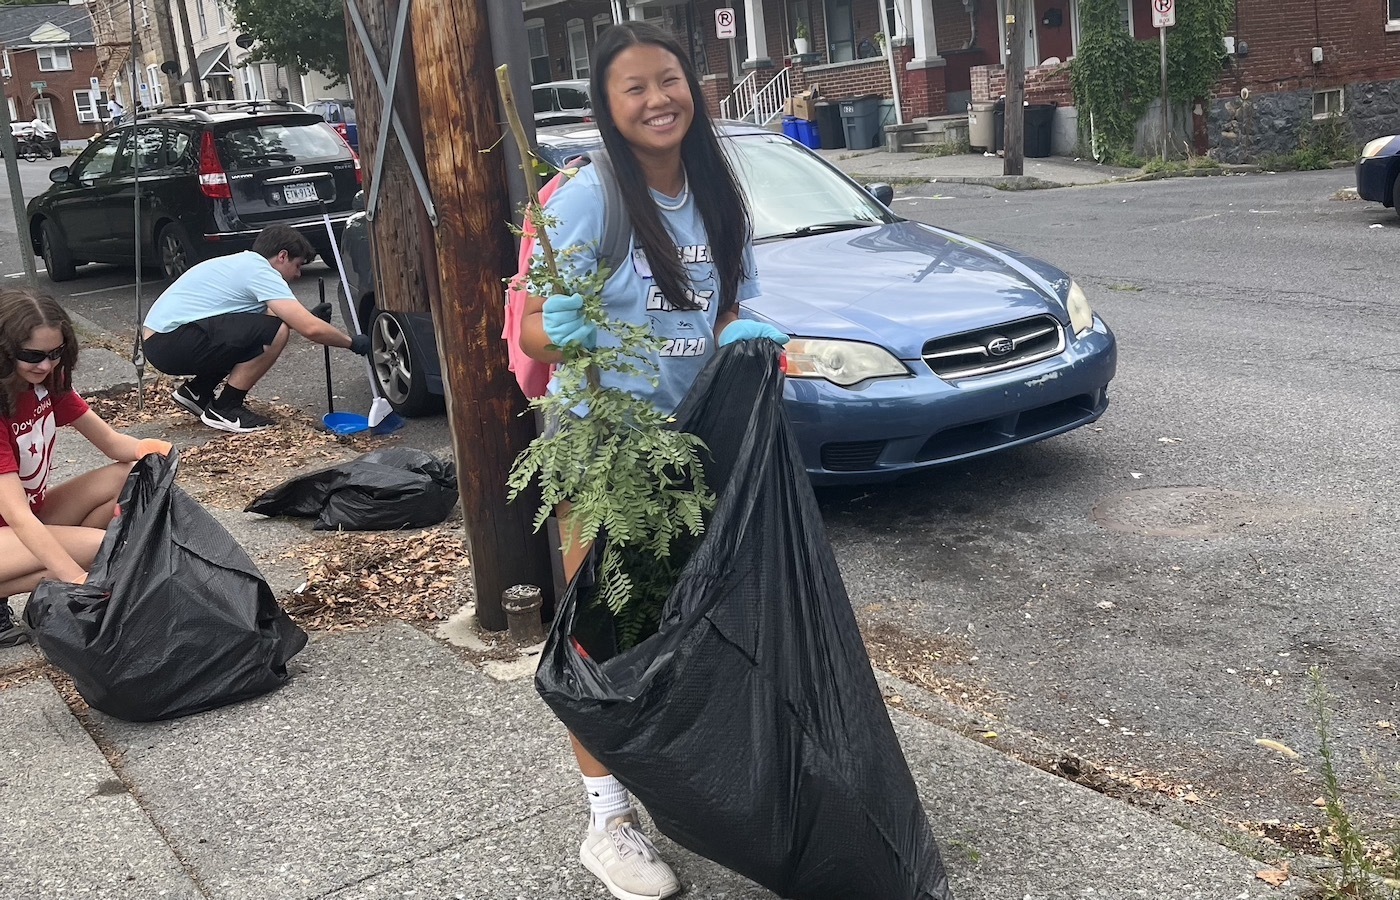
(300, 193)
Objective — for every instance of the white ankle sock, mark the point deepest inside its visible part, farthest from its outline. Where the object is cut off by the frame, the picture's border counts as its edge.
(606, 798)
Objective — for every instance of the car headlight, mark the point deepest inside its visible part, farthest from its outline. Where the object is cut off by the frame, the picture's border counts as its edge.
(1375, 147)
(840, 362)
(1081, 314)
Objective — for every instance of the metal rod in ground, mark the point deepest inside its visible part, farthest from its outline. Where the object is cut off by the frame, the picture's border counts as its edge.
(326, 350)
(10, 147)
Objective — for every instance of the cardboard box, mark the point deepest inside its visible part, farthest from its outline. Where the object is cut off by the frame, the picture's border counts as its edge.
(803, 104)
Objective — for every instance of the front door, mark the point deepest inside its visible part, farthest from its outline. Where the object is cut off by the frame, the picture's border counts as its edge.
(840, 31)
(1029, 25)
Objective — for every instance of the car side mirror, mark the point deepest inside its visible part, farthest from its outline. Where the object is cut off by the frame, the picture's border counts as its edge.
(59, 175)
(358, 203)
(882, 192)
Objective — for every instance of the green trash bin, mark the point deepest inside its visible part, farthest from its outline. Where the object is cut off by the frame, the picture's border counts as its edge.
(860, 119)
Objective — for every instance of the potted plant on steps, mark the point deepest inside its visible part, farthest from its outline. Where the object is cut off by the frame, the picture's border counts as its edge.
(799, 42)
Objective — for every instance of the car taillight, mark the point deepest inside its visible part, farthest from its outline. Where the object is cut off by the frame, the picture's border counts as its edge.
(213, 181)
(343, 133)
(359, 176)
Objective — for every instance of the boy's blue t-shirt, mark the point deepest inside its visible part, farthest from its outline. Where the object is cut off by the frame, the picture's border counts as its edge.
(631, 294)
(242, 283)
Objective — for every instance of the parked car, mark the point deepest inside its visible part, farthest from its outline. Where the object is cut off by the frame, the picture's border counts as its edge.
(212, 175)
(913, 346)
(1378, 172)
(561, 103)
(341, 116)
(23, 132)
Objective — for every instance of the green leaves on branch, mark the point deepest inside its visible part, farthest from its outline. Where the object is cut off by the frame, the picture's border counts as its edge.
(1115, 76)
(303, 34)
(630, 477)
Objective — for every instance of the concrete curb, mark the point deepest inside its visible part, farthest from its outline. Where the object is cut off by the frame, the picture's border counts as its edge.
(1001, 182)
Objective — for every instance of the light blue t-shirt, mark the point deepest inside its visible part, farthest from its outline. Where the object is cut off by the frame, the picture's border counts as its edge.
(242, 283)
(631, 294)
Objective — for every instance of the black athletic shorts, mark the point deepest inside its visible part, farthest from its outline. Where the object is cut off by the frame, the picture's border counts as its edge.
(212, 347)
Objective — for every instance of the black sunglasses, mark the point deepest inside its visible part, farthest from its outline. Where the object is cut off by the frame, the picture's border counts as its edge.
(34, 357)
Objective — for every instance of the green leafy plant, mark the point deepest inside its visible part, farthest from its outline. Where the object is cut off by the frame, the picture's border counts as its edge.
(1367, 869)
(302, 34)
(802, 31)
(631, 478)
(1115, 76)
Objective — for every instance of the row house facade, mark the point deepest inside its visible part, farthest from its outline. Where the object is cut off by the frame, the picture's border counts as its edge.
(48, 58)
(949, 53)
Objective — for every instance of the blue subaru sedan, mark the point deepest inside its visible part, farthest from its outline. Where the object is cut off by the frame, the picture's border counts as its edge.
(1378, 172)
(913, 346)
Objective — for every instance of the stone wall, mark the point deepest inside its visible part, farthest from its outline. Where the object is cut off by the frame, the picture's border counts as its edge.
(1244, 130)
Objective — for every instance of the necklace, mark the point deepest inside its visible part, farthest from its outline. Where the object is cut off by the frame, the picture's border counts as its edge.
(681, 199)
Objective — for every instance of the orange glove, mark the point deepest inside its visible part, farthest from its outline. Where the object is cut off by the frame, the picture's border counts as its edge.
(152, 445)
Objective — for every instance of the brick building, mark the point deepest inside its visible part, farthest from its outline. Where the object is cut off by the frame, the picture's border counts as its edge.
(48, 60)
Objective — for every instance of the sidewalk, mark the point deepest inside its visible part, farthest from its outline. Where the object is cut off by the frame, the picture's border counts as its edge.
(394, 766)
(969, 168)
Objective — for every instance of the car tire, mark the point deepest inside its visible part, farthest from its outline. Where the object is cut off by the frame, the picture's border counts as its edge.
(398, 368)
(54, 248)
(175, 251)
(1395, 193)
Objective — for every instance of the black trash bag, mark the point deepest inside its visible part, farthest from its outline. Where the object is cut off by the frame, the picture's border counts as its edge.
(174, 617)
(751, 725)
(398, 487)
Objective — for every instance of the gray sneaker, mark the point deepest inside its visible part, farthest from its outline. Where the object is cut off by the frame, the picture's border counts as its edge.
(11, 631)
(626, 861)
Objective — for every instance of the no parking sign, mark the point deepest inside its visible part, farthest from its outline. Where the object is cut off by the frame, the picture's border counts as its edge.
(724, 23)
(1163, 13)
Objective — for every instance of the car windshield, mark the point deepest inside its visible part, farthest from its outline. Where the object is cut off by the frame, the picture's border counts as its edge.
(793, 193)
(280, 144)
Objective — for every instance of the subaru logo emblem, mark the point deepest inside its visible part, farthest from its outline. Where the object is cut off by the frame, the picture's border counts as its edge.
(1000, 346)
(297, 170)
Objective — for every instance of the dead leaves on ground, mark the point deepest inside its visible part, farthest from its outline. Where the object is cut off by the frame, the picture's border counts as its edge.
(928, 662)
(355, 579)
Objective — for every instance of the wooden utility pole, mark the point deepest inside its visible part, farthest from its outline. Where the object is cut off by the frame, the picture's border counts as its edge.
(1014, 161)
(446, 100)
(11, 151)
(187, 45)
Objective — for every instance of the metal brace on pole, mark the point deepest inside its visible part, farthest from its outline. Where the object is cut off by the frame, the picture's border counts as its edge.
(386, 96)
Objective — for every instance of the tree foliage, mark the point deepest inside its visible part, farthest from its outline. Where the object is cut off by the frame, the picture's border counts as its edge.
(1116, 76)
(308, 35)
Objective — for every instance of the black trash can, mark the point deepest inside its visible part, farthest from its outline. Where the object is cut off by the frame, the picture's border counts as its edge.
(829, 129)
(999, 126)
(1040, 121)
(860, 118)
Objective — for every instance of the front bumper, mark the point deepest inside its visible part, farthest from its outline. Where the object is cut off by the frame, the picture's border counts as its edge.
(1375, 178)
(893, 427)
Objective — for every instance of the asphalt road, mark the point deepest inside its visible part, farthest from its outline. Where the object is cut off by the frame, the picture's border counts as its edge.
(1149, 593)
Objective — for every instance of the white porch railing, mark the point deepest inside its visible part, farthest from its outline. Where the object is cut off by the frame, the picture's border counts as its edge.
(750, 104)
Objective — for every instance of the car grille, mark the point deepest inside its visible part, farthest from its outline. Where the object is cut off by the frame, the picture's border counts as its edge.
(851, 457)
(988, 350)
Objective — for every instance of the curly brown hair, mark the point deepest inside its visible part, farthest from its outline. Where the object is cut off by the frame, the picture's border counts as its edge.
(21, 311)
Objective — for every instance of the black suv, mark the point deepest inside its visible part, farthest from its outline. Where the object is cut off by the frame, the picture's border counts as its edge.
(212, 175)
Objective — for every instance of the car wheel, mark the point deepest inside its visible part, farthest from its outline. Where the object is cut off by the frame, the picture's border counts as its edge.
(398, 369)
(1395, 194)
(176, 252)
(54, 247)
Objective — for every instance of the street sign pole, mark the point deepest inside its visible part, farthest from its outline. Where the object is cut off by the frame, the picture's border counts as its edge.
(11, 149)
(1166, 111)
(1163, 17)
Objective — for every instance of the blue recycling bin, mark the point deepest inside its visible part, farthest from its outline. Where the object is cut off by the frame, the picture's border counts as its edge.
(802, 131)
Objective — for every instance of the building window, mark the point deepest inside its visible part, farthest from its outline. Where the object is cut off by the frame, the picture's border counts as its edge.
(252, 86)
(603, 21)
(14, 110)
(91, 107)
(43, 109)
(203, 22)
(145, 15)
(578, 48)
(1327, 104)
(153, 79)
(54, 59)
(1392, 15)
(539, 51)
(5, 63)
(219, 14)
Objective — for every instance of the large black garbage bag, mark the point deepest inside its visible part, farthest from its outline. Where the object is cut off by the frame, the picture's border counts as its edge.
(398, 487)
(174, 617)
(751, 725)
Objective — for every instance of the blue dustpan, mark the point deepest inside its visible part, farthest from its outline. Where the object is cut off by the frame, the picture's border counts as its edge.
(345, 423)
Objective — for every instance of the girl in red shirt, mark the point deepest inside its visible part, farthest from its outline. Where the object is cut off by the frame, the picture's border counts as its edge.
(49, 531)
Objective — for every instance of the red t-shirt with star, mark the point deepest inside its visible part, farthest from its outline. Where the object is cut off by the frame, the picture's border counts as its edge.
(29, 436)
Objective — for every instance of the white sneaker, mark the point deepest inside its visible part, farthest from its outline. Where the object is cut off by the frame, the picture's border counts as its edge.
(626, 861)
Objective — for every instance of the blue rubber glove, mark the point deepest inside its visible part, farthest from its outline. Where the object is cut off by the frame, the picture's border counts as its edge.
(749, 330)
(564, 323)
